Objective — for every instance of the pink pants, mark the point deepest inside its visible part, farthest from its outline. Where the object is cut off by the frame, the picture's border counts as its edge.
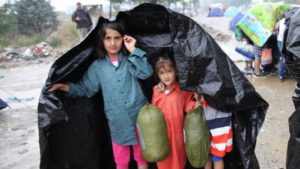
(122, 155)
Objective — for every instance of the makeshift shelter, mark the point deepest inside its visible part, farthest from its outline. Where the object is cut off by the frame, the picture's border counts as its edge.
(291, 52)
(259, 22)
(232, 11)
(215, 12)
(74, 132)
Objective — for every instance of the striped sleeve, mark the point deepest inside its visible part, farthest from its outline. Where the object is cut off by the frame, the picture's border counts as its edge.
(219, 124)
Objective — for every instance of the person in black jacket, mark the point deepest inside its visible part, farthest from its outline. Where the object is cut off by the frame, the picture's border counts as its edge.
(83, 21)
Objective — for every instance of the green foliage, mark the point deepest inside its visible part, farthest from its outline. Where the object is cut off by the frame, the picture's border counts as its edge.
(21, 41)
(55, 42)
(73, 32)
(29, 40)
(35, 16)
(4, 42)
(8, 21)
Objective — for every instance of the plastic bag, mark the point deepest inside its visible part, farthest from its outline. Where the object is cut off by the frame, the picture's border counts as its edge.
(153, 135)
(196, 137)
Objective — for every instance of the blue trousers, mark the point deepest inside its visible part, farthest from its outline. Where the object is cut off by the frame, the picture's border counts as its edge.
(281, 69)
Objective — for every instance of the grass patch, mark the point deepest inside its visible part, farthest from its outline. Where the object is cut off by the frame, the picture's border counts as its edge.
(28, 41)
(55, 42)
(4, 42)
(65, 37)
(22, 41)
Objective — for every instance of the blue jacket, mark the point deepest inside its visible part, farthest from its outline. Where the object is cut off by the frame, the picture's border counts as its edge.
(122, 93)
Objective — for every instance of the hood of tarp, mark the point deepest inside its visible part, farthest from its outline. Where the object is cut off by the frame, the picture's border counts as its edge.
(201, 66)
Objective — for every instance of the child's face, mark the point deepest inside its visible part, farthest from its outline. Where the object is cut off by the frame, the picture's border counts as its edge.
(167, 75)
(112, 42)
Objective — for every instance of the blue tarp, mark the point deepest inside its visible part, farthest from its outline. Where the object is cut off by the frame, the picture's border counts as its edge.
(215, 12)
(239, 16)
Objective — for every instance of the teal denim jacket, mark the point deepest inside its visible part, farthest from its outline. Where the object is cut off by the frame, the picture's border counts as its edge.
(122, 93)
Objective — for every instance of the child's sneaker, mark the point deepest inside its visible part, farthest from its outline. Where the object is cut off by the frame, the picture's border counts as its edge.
(274, 71)
(281, 78)
(261, 75)
(248, 71)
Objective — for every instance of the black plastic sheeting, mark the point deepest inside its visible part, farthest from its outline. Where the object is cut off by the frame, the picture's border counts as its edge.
(292, 47)
(2, 104)
(291, 52)
(74, 132)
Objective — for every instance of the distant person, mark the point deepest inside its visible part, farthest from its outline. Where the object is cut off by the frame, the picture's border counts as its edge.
(258, 73)
(83, 21)
(280, 27)
(246, 50)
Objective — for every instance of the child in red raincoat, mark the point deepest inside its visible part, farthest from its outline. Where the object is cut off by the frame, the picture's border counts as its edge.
(173, 102)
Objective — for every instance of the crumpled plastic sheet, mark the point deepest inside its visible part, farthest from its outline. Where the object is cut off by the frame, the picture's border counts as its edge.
(291, 51)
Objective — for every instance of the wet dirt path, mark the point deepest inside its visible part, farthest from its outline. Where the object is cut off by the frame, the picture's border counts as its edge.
(273, 137)
(19, 146)
(18, 126)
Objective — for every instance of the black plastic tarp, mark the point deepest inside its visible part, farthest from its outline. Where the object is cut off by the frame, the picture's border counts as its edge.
(2, 104)
(291, 48)
(74, 132)
(291, 52)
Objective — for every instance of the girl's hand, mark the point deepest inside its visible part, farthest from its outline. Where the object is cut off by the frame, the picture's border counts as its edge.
(199, 100)
(160, 87)
(59, 86)
(129, 43)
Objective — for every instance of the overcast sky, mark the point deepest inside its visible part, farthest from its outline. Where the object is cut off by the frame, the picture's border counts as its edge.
(69, 5)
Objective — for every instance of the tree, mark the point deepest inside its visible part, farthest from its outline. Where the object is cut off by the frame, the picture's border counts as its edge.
(8, 20)
(35, 16)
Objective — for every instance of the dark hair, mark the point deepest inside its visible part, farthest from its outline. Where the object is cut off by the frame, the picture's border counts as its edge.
(164, 60)
(101, 52)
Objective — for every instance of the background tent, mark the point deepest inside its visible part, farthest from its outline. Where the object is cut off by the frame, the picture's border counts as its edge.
(259, 22)
(291, 52)
(73, 132)
(215, 12)
(232, 11)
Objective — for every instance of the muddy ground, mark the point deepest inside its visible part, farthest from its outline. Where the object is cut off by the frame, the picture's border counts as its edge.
(19, 148)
